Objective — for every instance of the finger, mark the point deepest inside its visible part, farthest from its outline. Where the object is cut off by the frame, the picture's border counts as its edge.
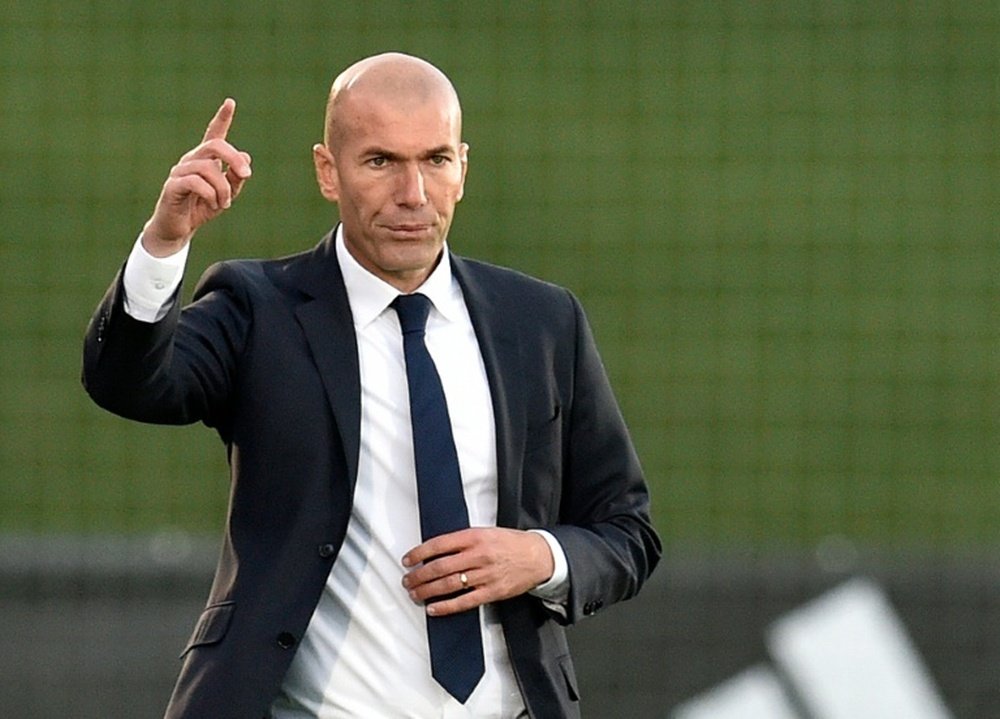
(451, 543)
(461, 603)
(441, 574)
(219, 126)
(209, 171)
(237, 180)
(235, 184)
(445, 587)
(435, 569)
(184, 186)
(221, 151)
(246, 170)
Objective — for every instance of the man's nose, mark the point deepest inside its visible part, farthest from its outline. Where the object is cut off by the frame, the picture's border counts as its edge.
(410, 191)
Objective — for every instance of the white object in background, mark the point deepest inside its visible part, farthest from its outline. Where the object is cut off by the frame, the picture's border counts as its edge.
(754, 694)
(848, 656)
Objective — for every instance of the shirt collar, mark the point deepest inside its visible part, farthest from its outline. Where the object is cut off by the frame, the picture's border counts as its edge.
(369, 296)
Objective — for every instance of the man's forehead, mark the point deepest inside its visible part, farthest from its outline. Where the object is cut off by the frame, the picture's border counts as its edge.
(400, 106)
(397, 95)
(381, 119)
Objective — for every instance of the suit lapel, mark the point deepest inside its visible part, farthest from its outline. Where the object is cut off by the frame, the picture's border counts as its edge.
(500, 348)
(325, 318)
(329, 329)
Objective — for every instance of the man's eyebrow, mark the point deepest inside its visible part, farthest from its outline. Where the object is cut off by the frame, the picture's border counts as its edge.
(440, 150)
(377, 151)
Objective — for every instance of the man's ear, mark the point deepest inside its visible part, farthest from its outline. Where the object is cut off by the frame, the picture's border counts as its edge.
(326, 172)
(463, 158)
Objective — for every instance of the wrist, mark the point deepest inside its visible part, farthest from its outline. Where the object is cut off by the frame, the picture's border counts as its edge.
(157, 246)
(544, 561)
(555, 587)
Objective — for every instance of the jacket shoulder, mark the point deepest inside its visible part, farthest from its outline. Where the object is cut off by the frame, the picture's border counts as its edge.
(250, 276)
(513, 287)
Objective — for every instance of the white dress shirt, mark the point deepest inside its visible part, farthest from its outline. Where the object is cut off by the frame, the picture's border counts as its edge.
(365, 652)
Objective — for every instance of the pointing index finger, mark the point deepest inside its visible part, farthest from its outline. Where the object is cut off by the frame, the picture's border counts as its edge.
(218, 128)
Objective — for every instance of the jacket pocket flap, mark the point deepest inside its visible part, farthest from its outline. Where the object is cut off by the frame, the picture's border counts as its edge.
(211, 626)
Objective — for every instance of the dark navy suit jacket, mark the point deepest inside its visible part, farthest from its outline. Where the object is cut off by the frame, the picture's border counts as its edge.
(266, 354)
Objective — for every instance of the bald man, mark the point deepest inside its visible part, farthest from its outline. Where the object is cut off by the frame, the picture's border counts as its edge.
(330, 592)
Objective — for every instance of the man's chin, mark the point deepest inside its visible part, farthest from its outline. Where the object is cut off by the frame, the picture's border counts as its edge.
(414, 265)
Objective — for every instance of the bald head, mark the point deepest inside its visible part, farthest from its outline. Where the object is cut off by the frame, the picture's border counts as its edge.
(390, 78)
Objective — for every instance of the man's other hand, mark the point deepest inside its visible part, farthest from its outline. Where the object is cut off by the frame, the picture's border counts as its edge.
(496, 564)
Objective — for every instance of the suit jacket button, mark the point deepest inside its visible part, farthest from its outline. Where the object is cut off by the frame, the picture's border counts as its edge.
(327, 550)
(286, 640)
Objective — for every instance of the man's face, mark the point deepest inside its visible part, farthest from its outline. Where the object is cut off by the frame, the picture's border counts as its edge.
(396, 172)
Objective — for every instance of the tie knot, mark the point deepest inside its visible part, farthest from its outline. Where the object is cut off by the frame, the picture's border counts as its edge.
(412, 311)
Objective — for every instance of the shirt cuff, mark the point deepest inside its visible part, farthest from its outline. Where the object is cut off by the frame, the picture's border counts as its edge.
(555, 591)
(151, 282)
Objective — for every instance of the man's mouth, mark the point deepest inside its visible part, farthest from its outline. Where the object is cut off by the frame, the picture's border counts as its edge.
(409, 228)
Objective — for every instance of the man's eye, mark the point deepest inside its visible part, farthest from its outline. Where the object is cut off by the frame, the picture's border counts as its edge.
(439, 160)
(377, 162)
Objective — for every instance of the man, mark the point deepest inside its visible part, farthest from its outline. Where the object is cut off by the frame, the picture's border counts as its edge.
(331, 595)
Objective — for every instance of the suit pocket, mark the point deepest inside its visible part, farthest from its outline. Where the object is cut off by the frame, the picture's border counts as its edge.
(543, 433)
(212, 626)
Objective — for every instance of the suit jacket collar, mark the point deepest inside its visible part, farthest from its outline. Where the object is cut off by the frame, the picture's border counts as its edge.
(325, 318)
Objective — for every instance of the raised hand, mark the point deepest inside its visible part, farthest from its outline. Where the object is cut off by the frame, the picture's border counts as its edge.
(201, 186)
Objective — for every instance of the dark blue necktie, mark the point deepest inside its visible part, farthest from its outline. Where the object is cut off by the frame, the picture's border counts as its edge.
(456, 644)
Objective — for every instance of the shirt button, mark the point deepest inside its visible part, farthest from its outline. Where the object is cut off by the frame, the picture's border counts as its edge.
(159, 284)
(327, 550)
(286, 640)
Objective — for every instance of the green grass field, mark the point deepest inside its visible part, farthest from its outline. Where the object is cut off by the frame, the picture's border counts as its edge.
(782, 218)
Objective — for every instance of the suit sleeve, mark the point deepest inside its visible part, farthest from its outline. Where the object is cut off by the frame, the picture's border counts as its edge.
(605, 527)
(178, 370)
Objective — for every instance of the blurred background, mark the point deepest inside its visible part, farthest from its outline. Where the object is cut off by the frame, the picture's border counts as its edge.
(782, 218)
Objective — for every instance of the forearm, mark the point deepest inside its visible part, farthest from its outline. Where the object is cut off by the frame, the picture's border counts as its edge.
(175, 370)
(123, 356)
(605, 528)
